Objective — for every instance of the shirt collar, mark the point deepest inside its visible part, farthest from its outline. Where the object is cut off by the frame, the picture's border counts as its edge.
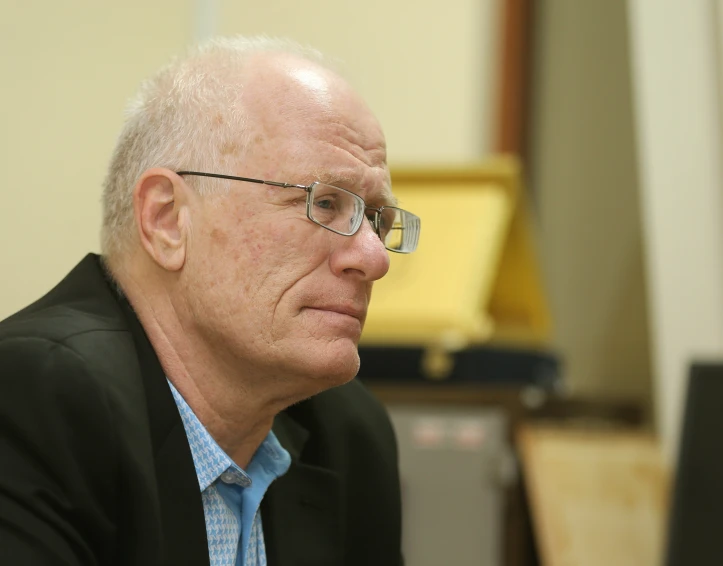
(211, 462)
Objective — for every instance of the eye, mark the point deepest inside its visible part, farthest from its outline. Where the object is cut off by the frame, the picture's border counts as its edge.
(325, 203)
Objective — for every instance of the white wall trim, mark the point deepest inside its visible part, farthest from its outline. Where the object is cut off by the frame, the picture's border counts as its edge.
(675, 78)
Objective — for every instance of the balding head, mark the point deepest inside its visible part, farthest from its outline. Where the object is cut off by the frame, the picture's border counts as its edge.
(296, 108)
(192, 114)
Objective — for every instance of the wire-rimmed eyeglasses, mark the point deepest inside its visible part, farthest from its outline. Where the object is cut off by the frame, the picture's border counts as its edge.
(343, 212)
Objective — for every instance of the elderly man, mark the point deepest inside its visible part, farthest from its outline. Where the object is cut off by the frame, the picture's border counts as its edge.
(188, 398)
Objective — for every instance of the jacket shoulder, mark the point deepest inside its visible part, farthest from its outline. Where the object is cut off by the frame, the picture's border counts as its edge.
(57, 439)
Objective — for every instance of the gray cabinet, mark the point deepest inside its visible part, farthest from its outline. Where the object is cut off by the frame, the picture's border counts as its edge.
(455, 463)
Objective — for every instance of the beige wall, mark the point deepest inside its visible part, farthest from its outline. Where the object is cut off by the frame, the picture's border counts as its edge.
(67, 69)
(427, 71)
(585, 177)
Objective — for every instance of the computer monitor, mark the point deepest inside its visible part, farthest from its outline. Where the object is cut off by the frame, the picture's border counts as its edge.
(695, 535)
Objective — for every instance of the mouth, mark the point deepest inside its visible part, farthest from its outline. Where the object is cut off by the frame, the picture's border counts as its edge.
(357, 313)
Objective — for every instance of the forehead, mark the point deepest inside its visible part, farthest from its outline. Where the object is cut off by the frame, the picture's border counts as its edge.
(311, 126)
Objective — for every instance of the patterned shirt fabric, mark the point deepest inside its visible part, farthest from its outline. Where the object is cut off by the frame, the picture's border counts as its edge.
(231, 496)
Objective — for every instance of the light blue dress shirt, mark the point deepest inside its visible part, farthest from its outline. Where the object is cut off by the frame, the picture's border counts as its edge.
(231, 496)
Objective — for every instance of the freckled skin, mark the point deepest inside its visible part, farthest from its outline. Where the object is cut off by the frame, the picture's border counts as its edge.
(230, 149)
(259, 275)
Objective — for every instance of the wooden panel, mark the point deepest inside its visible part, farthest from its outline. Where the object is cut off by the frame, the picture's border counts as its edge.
(597, 497)
(514, 77)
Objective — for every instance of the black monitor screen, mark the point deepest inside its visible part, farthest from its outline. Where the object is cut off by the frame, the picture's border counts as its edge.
(695, 536)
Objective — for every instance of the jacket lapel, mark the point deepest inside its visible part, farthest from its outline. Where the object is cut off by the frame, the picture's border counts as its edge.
(301, 512)
(182, 516)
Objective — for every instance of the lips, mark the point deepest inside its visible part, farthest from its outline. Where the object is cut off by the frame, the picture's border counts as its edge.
(357, 313)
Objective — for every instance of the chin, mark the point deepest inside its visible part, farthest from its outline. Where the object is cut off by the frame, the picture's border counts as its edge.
(332, 367)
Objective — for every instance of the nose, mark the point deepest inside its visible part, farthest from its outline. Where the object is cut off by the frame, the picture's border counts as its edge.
(362, 255)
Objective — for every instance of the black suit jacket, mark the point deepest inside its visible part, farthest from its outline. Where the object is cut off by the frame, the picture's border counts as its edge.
(95, 467)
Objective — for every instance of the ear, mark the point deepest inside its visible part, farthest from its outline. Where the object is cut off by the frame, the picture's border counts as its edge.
(162, 210)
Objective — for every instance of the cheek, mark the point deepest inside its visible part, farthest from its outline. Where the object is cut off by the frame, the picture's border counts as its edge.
(260, 256)
(248, 246)
(237, 240)
(295, 241)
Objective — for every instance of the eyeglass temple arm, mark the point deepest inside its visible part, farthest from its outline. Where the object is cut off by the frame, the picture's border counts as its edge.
(247, 179)
(287, 185)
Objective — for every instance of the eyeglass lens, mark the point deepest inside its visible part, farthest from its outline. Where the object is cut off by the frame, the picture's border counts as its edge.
(337, 209)
(399, 229)
(343, 212)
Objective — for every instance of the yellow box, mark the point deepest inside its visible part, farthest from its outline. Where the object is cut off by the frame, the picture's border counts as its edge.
(475, 276)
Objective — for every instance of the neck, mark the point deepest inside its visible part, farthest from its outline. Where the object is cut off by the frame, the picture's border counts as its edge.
(237, 411)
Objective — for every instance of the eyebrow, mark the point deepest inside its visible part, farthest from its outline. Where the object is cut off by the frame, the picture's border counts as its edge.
(389, 199)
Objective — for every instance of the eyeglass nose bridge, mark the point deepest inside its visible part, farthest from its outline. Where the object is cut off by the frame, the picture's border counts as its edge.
(375, 221)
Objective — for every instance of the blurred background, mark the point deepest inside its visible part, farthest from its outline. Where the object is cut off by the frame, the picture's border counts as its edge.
(599, 122)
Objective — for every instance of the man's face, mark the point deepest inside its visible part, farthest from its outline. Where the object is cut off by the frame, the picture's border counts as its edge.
(283, 298)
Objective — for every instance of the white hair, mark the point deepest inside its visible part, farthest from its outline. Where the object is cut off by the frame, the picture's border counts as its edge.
(181, 118)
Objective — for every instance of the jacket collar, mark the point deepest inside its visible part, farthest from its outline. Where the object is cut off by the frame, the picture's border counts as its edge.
(301, 512)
